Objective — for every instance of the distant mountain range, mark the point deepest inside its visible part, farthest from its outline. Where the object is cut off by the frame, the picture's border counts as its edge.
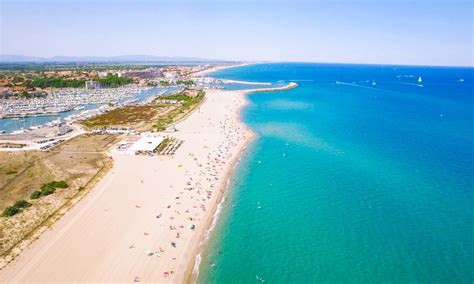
(123, 58)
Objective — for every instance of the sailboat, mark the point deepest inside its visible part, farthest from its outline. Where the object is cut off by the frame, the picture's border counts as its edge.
(419, 80)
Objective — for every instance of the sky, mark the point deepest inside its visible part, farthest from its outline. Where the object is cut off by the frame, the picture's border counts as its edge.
(437, 32)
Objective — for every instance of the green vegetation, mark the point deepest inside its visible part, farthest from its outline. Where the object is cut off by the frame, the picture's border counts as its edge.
(54, 82)
(17, 79)
(22, 204)
(10, 211)
(78, 161)
(187, 83)
(128, 116)
(59, 184)
(165, 83)
(112, 81)
(186, 103)
(35, 194)
(48, 188)
(16, 208)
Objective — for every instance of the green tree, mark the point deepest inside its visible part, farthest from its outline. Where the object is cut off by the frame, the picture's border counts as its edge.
(17, 79)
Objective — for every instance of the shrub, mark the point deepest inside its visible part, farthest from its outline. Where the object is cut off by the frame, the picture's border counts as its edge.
(80, 188)
(59, 184)
(10, 211)
(47, 190)
(20, 204)
(35, 195)
(54, 184)
(46, 186)
(16, 208)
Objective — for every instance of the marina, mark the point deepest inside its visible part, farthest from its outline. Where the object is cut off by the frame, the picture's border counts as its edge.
(19, 116)
(236, 142)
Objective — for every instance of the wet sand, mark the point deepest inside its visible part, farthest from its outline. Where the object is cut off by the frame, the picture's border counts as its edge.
(145, 219)
(125, 228)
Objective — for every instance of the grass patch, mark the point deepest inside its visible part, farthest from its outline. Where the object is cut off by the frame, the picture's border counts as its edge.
(76, 161)
(127, 116)
(186, 103)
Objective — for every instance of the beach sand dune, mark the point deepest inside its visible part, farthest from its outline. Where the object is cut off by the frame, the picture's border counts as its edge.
(144, 220)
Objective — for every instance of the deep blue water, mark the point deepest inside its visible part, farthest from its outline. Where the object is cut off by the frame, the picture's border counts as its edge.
(362, 174)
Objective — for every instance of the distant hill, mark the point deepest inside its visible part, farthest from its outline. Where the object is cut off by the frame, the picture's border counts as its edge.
(123, 58)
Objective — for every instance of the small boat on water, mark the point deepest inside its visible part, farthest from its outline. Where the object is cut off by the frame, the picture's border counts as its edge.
(419, 80)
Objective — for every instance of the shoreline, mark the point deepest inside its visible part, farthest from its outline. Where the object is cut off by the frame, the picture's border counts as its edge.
(206, 72)
(194, 265)
(199, 247)
(86, 215)
(117, 211)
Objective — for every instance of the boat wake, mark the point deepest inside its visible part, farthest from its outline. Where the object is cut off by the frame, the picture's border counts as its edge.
(411, 84)
(355, 85)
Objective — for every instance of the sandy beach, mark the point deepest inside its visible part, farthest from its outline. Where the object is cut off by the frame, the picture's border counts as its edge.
(213, 69)
(144, 220)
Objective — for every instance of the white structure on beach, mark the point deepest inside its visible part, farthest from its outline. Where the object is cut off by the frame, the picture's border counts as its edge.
(146, 145)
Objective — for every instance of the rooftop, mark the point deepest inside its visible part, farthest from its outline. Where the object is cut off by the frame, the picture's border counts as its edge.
(147, 143)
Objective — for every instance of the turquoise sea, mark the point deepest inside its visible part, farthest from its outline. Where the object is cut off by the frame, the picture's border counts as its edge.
(362, 174)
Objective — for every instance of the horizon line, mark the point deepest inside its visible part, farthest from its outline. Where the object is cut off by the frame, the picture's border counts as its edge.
(198, 59)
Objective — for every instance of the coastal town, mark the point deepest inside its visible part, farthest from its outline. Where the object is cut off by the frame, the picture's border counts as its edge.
(207, 141)
(146, 120)
(28, 81)
(132, 111)
(60, 93)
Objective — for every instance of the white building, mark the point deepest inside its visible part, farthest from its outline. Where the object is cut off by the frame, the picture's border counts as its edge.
(146, 145)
